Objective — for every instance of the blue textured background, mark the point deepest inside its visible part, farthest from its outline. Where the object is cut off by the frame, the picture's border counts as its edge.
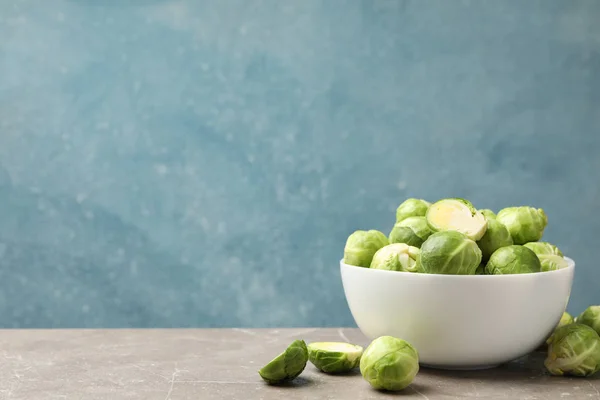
(200, 163)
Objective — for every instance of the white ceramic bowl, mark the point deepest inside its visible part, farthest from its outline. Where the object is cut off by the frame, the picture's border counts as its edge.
(459, 322)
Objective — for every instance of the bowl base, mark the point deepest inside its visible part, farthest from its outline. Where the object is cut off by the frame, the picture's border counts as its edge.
(457, 368)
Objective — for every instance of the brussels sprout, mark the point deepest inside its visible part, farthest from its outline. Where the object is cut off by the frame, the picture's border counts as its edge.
(551, 258)
(396, 257)
(565, 319)
(362, 245)
(411, 208)
(412, 231)
(456, 215)
(543, 248)
(591, 318)
(495, 236)
(574, 349)
(489, 214)
(513, 260)
(449, 252)
(480, 270)
(334, 357)
(287, 365)
(525, 224)
(552, 263)
(389, 363)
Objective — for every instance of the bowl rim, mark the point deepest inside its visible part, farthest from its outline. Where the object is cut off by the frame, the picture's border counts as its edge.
(570, 262)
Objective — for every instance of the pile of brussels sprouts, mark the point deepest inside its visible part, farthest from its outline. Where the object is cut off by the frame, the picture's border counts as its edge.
(451, 236)
(390, 363)
(574, 346)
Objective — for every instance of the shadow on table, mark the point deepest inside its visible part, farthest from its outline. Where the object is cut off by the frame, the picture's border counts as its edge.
(353, 372)
(299, 382)
(411, 390)
(523, 368)
(528, 367)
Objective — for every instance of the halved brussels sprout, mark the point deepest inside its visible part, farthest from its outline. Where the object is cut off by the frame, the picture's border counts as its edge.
(591, 318)
(412, 231)
(396, 257)
(525, 224)
(495, 236)
(449, 252)
(389, 363)
(334, 357)
(573, 349)
(456, 215)
(489, 214)
(362, 245)
(513, 260)
(287, 365)
(411, 208)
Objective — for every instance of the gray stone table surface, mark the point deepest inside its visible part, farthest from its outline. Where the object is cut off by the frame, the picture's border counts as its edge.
(211, 364)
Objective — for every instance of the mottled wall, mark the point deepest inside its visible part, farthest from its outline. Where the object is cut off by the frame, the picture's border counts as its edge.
(200, 163)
